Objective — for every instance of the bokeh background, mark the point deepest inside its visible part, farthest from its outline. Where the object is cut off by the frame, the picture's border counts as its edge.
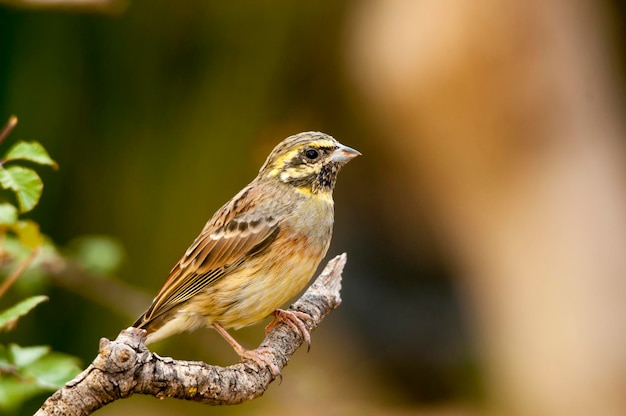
(485, 223)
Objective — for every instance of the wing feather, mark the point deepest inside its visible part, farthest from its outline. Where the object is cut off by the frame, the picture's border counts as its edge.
(209, 258)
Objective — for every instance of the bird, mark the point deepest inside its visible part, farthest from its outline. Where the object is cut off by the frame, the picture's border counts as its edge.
(258, 250)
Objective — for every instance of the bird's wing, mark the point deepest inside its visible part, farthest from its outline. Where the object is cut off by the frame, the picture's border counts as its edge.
(215, 252)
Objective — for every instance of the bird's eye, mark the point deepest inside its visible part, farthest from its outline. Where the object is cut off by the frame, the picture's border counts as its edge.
(311, 154)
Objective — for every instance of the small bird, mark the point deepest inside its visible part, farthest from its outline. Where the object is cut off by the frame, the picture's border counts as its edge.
(258, 250)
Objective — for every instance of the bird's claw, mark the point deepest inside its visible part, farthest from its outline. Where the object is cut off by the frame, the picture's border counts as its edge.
(295, 321)
(259, 357)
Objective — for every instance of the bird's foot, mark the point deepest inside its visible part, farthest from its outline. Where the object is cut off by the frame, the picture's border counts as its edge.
(259, 356)
(295, 321)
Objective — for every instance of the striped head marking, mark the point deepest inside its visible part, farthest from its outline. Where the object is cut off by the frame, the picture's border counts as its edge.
(308, 161)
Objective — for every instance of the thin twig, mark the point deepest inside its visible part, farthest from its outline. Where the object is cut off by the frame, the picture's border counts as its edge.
(8, 128)
(18, 271)
(108, 291)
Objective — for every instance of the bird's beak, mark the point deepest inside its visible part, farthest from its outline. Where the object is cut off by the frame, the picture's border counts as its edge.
(344, 154)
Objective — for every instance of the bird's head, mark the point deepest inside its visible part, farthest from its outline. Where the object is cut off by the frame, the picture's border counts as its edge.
(308, 161)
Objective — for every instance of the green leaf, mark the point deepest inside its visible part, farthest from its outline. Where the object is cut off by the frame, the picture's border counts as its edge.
(23, 356)
(14, 392)
(8, 213)
(26, 184)
(31, 151)
(53, 370)
(28, 233)
(36, 370)
(10, 316)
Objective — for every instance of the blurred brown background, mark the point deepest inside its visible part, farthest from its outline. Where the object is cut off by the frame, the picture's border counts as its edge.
(485, 223)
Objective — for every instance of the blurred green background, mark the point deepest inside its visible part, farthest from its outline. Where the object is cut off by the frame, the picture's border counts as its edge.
(158, 113)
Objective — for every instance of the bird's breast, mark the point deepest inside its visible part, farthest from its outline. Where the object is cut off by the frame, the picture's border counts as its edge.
(268, 280)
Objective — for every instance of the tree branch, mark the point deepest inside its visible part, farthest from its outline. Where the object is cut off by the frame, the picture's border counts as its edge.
(125, 366)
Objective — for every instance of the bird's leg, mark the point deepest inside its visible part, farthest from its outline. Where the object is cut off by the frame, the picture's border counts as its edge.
(255, 355)
(294, 320)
